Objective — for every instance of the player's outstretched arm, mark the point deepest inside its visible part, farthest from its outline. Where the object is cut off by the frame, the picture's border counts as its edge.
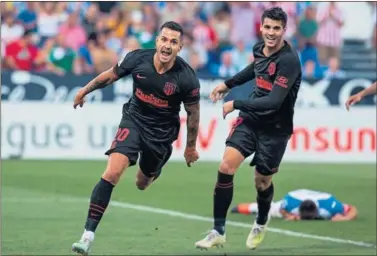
(245, 75)
(101, 81)
(360, 95)
(123, 68)
(350, 214)
(289, 216)
(370, 90)
(288, 72)
(193, 117)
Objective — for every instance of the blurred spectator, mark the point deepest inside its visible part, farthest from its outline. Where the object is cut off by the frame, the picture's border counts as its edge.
(28, 17)
(243, 23)
(189, 47)
(74, 35)
(42, 61)
(290, 9)
(80, 7)
(100, 25)
(301, 8)
(49, 20)
(204, 34)
(150, 15)
(22, 53)
(62, 9)
(130, 6)
(112, 41)
(136, 23)
(147, 37)
(103, 58)
(227, 67)
(333, 71)
(189, 15)
(218, 36)
(130, 44)
(211, 8)
(195, 62)
(240, 55)
(221, 24)
(61, 57)
(10, 30)
(308, 28)
(309, 70)
(5, 7)
(84, 58)
(90, 18)
(330, 19)
(107, 6)
(172, 11)
(309, 53)
(118, 23)
(259, 7)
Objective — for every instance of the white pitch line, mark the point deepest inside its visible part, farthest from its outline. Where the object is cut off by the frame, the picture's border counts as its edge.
(187, 216)
(237, 224)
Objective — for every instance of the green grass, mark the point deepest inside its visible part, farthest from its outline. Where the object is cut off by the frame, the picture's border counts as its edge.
(37, 218)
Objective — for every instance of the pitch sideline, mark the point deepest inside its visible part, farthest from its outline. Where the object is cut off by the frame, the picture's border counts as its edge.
(236, 224)
(172, 213)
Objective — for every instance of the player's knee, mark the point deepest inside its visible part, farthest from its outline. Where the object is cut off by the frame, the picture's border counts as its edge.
(262, 182)
(262, 185)
(112, 176)
(142, 181)
(227, 167)
(141, 185)
(231, 161)
(116, 165)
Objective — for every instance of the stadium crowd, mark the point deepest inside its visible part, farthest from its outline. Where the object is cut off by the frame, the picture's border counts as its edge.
(89, 37)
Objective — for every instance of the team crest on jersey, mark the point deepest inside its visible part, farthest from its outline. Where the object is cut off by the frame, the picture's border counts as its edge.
(169, 88)
(195, 92)
(271, 68)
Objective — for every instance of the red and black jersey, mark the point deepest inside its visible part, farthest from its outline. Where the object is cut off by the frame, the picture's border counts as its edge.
(277, 79)
(155, 104)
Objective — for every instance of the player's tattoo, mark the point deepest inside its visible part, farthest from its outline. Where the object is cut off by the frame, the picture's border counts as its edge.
(193, 116)
(101, 81)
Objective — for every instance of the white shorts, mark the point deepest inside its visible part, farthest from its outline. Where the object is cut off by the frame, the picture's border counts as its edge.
(274, 210)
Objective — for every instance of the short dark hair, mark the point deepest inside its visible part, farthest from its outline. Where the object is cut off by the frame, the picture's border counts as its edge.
(275, 13)
(173, 26)
(308, 210)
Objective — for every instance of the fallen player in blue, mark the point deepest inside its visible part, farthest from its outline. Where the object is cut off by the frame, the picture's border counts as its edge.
(304, 204)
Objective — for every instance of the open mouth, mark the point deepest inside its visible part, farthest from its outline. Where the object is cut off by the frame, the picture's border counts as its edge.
(165, 53)
(270, 39)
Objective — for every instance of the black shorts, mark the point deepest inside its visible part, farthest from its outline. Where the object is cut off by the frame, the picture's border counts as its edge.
(129, 142)
(268, 145)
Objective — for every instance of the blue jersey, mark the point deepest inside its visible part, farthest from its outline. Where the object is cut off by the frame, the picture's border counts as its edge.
(327, 204)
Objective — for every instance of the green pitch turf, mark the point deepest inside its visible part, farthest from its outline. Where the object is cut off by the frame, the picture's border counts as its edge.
(44, 209)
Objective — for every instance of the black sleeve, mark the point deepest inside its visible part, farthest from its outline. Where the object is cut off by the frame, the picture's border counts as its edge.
(191, 88)
(287, 73)
(241, 77)
(127, 64)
